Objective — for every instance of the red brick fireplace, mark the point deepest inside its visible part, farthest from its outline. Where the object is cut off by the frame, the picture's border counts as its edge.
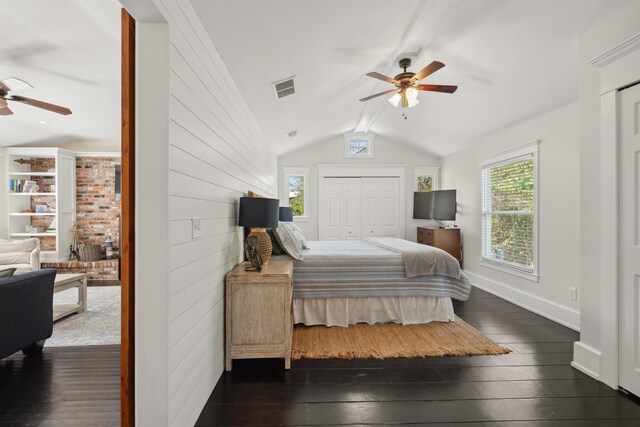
(97, 216)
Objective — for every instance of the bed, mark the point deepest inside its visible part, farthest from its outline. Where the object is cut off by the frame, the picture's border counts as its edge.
(377, 280)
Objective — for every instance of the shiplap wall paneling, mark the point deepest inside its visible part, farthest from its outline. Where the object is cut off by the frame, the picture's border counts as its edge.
(216, 155)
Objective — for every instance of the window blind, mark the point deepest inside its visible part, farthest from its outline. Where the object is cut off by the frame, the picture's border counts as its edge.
(508, 213)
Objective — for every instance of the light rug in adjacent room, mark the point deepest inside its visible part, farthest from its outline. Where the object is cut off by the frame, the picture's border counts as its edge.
(380, 341)
(99, 325)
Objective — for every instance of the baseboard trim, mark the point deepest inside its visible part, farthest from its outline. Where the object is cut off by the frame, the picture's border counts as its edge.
(586, 359)
(551, 310)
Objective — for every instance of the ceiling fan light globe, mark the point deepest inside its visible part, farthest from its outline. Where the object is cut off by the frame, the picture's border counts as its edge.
(395, 99)
(412, 102)
(412, 93)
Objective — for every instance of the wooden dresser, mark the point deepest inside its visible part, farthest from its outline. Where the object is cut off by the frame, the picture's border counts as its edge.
(447, 239)
(259, 321)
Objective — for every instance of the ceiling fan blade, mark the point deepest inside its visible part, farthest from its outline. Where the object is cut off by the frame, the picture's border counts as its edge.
(381, 77)
(41, 104)
(428, 70)
(13, 83)
(438, 88)
(378, 94)
(4, 109)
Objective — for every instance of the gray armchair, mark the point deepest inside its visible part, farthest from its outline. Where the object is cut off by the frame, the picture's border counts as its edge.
(26, 311)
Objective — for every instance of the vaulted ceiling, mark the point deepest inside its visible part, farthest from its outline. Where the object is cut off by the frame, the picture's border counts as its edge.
(510, 59)
(69, 51)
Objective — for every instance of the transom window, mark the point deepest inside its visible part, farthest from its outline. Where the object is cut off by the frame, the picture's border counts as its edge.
(358, 145)
(509, 223)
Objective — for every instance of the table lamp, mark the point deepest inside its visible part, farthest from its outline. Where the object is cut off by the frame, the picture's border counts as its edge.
(286, 214)
(259, 213)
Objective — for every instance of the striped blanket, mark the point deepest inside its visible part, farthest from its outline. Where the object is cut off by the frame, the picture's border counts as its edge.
(359, 268)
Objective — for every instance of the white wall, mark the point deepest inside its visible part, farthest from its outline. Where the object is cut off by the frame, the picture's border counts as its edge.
(559, 212)
(215, 154)
(611, 32)
(92, 146)
(152, 216)
(386, 151)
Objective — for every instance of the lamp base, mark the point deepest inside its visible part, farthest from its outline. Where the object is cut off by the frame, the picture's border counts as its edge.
(265, 243)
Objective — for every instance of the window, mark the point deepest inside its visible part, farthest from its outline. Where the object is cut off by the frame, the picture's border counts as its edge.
(509, 218)
(358, 145)
(425, 179)
(294, 192)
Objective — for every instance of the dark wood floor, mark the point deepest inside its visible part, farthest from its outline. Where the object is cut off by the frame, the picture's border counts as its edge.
(66, 386)
(532, 386)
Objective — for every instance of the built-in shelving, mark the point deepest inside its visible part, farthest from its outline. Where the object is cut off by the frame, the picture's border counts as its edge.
(32, 194)
(32, 214)
(53, 174)
(46, 234)
(54, 169)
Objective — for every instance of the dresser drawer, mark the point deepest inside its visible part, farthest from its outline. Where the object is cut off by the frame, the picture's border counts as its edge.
(425, 236)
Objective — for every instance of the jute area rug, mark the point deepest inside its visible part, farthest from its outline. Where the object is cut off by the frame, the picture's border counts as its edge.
(380, 341)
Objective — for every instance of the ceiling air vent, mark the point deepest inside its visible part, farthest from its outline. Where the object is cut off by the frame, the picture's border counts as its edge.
(284, 88)
(292, 133)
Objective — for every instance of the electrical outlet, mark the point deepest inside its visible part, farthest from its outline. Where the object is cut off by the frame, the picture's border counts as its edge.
(573, 294)
(196, 229)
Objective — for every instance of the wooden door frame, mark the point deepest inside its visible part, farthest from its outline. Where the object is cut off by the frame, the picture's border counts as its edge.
(127, 249)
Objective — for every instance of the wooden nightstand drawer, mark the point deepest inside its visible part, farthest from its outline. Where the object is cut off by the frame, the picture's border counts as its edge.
(259, 320)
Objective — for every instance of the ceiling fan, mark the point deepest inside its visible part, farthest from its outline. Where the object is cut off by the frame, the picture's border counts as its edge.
(12, 84)
(406, 90)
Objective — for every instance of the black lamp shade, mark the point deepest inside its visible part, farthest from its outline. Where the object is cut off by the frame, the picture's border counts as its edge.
(286, 214)
(258, 212)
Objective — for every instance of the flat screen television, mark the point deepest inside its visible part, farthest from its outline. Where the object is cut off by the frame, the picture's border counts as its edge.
(437, 205)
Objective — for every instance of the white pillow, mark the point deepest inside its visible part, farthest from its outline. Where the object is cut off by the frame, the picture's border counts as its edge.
(12, 246)
(289, 241)
(299, 233)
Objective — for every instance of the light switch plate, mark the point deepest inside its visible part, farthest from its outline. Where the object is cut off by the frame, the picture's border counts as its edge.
(196, 229)
(573, 294)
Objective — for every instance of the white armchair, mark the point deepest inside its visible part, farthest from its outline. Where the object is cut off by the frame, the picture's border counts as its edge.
(24, 255)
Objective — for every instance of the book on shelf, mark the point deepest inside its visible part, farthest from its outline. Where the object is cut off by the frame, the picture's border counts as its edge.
(16, 185)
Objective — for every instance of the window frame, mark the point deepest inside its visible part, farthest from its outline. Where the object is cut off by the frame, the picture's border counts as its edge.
(352, 136)
(284, 199)
(433, 172)
(519, 153)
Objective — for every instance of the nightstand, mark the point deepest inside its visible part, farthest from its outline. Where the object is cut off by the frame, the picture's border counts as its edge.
(447, 239)
(259, 322)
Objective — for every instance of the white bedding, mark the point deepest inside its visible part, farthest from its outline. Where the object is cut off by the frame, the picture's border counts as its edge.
(343, 312)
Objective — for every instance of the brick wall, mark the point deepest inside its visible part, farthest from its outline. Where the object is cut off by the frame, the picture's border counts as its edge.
(97, 211)
(98, 270)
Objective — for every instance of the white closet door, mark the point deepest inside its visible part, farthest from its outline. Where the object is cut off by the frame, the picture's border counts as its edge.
(352, 208)
(357, 208)
(380, 213)
(371, 215)
(330, 221)
(629, 240)
(390, 207)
